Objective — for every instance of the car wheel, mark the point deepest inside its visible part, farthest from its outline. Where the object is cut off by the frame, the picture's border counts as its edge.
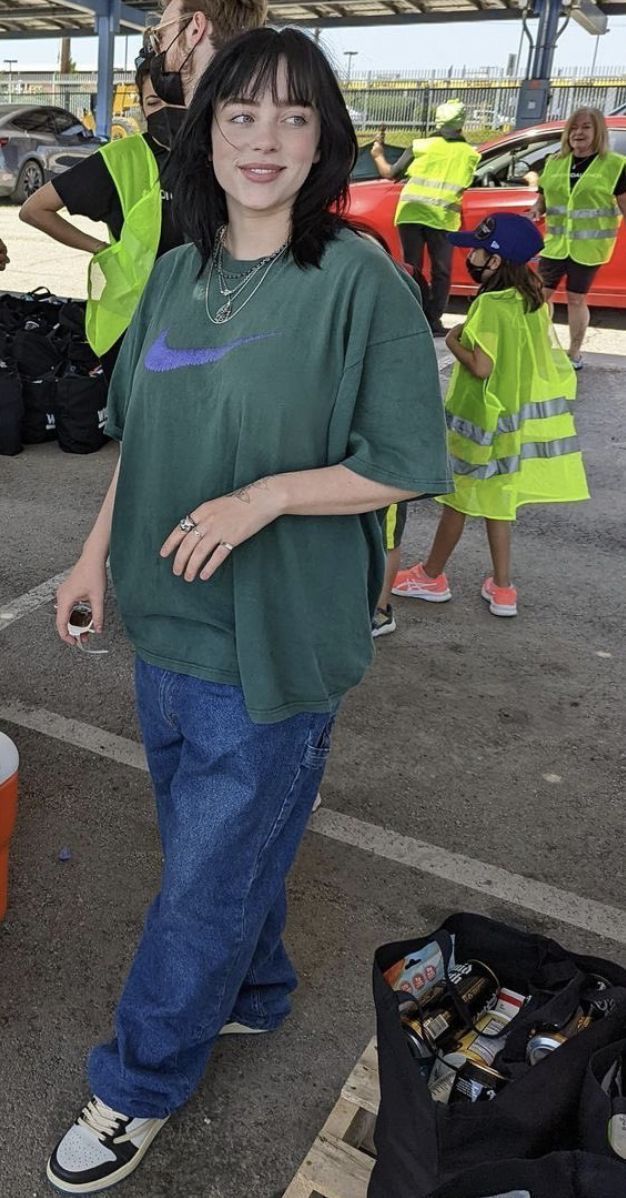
(29, 180)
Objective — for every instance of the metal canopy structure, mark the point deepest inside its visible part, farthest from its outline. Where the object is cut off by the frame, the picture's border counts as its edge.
(22, 19)
(66, 18)
(69, 18)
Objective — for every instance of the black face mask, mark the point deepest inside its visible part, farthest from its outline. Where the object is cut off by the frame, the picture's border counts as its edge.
(168, 85)
(475, 272)
(164, 124)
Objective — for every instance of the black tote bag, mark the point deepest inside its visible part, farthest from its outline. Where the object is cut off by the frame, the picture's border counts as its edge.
(559, 1175)
(11, 412)
(39, 419)
(81, 412)
(422, 1144)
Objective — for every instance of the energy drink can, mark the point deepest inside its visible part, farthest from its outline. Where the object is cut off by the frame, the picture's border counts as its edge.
(476, 1083)
(478, 988)
(543, 1041)
(419, 1049)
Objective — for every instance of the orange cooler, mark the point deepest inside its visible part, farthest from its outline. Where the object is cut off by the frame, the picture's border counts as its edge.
(9, 764)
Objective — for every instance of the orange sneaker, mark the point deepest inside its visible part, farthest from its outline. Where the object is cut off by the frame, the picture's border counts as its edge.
(417, 584)
(502, 600)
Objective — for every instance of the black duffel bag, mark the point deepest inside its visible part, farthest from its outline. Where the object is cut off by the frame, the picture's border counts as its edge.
(422, 1144)
(40, 405)
(559, 1175)
(81, 412)
(11, 412)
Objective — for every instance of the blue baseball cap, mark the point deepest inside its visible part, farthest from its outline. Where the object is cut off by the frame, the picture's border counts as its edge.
(513, 237)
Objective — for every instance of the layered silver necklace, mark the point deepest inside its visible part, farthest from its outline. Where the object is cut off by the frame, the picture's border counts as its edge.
(230, 294)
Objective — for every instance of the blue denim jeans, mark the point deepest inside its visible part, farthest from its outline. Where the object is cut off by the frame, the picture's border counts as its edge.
(233, 800)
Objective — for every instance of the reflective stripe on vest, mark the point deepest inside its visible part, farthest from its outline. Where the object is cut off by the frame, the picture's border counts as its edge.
(119, 273)
(507, 424)
(510, 465)
(592, 217)
(438, 166)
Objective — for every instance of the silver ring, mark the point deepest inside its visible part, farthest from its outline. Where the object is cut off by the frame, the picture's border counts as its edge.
(197, 532)
(187, 524)
(226, 545)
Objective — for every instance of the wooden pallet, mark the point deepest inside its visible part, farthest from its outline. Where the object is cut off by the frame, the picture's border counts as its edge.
(340, 1162)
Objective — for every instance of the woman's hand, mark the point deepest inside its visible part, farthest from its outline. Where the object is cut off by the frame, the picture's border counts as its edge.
(87, 583)
(220, 526)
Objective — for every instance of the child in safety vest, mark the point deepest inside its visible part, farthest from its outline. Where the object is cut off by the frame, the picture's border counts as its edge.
(511, 433)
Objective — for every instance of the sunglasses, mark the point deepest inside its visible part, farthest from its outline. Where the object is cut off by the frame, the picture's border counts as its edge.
(152, 35)
(80, 623)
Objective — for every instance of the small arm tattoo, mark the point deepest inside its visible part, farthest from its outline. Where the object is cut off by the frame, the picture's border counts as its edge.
(244, 493)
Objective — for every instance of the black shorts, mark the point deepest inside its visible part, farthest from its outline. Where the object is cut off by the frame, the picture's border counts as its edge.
(578, 277)
(393, 520)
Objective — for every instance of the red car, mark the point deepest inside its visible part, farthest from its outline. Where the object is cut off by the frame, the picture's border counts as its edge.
(498, 186)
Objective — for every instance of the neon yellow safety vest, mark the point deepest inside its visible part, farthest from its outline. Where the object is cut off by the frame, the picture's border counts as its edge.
(438, 175)
(582, 223)
(119, 273)
(512, 438)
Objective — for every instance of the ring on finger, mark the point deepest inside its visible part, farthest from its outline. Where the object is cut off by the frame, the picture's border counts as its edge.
(187, 524)
(226, 545)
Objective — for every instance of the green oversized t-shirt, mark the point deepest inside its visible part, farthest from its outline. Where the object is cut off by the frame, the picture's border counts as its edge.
(323, 366)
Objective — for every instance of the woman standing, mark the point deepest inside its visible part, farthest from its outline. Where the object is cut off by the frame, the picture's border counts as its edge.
(252, 399)
(583, 195)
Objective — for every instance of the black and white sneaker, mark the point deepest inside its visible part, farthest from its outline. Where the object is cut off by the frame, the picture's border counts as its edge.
(101, 1148)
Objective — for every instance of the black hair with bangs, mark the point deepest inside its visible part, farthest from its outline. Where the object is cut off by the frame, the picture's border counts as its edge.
(246, 67)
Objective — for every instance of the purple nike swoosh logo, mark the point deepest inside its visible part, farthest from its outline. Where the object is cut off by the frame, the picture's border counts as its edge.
(162, 357)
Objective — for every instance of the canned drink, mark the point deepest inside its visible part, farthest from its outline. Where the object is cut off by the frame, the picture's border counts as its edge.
(478, 988)
(484, 1044)
(420, 1050)
(543, 1041)
(476, 1083)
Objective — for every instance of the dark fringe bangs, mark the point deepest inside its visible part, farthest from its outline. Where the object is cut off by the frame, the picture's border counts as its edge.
(244, 69)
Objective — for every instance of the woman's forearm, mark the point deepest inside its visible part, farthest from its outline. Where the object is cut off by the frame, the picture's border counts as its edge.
(41, 212)
(329, 491)
(99, 540)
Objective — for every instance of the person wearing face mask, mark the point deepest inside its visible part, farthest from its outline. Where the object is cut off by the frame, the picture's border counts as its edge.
(582, 192)
(126, 186)
(188, 35)
(511, 433)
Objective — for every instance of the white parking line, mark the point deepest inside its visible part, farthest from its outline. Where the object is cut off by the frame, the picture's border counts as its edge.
(517, 890)
(16, 608)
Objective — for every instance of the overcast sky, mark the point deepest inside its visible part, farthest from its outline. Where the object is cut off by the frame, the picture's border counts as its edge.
(400, 46)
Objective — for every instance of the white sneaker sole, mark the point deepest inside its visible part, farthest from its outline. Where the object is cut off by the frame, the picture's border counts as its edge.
(384, 630)
(499, 609)
(94, 1187)
(430, 597)
(241, 1029)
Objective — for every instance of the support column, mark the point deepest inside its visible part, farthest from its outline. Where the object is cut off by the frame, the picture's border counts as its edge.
(532, 107)
(107, 25)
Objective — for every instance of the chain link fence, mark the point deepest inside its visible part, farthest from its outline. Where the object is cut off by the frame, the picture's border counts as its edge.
(398, 99)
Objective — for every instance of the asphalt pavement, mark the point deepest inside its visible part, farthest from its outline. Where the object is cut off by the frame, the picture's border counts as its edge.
(479, 767)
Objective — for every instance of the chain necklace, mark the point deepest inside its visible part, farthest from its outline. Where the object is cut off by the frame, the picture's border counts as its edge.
(229, 295)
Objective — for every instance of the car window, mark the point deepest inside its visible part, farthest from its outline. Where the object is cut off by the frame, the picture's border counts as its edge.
(617, 140)
(35, 120)
(65, 120)
(364, 168)
(508, 166)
